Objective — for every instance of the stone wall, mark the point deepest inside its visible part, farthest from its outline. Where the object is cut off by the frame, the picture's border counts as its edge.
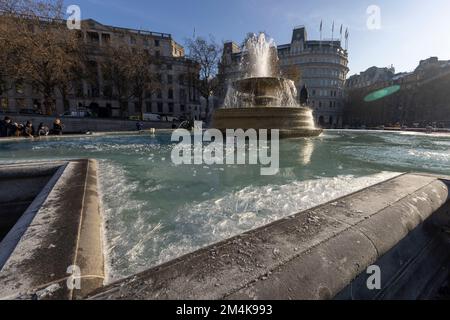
(83, 125)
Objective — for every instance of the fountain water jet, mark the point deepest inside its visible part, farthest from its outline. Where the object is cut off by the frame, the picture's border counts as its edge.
(263, 100)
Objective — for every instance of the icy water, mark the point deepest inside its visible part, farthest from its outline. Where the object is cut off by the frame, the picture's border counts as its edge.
(156, 211)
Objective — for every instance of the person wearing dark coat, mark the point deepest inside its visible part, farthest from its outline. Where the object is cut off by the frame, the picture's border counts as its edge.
(304, 96)
(6, 127)
(57, 127)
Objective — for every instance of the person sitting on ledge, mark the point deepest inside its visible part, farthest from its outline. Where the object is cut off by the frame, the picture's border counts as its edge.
(57, 127)
(5, 127)
(42, 130)
(19, 130)
(28, 130)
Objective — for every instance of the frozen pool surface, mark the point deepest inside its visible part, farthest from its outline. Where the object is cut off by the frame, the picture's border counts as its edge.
(156, 211)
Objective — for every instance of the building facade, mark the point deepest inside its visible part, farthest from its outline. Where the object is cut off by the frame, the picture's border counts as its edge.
(422, 98)
(177, 95)
(321, 66)
(370, 77)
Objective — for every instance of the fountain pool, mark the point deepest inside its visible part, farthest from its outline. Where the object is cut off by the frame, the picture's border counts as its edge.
(156, 211)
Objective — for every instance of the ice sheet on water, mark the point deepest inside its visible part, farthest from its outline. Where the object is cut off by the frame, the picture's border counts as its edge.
(141, 235)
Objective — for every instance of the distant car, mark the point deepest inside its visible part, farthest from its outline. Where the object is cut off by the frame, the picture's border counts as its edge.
(30, 111)
(76, 114)
(169, 119)
(152, 117)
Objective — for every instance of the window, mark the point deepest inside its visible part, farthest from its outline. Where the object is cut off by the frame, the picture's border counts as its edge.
(156, 43)
(169, 79)
(159, 94)
(182, 108)
(20, 104)
(160, 107)
(4, 104)
(93, 37)
(148, 106)
(2, 87)
(181, 79)
(19, 87)
(106, 38)
(182, 95)
(124, 105)
(170, 94)
(171, 107)
(137, 107)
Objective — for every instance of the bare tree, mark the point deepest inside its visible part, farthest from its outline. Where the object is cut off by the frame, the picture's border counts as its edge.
(207, 54)
(45, 52)
(292, 73)
(130, 70)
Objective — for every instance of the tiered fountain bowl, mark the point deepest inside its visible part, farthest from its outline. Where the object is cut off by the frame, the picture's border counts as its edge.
(263, 99)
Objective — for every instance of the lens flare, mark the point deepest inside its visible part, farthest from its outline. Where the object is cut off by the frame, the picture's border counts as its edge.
(382, 93)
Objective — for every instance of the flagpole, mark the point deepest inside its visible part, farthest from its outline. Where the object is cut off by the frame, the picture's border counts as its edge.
(346, 39)
(332, 32)
(332, 35)
(321, 27)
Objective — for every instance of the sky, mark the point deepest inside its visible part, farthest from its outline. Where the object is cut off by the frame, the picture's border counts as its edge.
(409, 30)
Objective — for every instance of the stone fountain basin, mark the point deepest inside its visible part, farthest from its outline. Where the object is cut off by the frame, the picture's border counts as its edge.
(290, 121)
(261, 86)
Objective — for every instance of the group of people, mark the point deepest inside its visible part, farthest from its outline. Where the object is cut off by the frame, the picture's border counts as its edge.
(13, 129)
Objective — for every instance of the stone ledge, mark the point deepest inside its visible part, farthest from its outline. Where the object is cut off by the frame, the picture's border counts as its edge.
(60, 229)
(315, 254)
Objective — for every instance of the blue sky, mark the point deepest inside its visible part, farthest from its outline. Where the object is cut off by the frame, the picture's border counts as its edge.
(411, 30)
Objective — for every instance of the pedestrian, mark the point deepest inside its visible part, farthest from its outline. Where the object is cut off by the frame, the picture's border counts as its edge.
(18, 130)
(28, 130)
(42, 130)
(57, 127)
(5, 127)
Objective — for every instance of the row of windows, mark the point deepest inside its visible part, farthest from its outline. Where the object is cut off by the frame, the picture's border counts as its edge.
(301, 60)
(325, 93)
(324, 83)
(94, 91)
(160, 107)
(299, 49)
(323, 72)
(94, 37)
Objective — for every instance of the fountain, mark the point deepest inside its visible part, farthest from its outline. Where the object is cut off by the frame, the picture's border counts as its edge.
(263, 100)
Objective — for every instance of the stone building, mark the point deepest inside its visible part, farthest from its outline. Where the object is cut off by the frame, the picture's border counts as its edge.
(422, 99)
(370, 77)
(177, 96)
(321, 66)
